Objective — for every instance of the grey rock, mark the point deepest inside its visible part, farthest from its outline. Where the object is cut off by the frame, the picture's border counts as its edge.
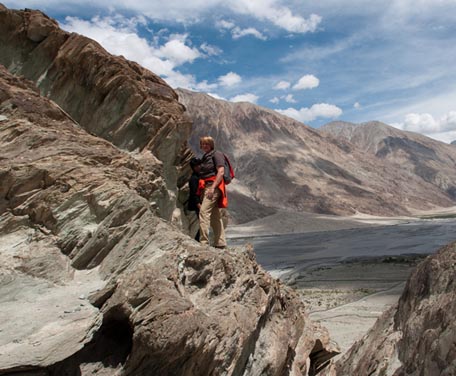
(77, 220)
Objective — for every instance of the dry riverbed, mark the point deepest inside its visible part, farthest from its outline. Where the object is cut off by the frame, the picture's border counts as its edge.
(345, 296)
(348, 298)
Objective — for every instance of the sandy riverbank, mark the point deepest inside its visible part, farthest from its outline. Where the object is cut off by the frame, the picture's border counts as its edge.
(291, 223)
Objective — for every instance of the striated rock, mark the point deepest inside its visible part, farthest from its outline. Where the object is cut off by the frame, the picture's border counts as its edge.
(39, 27)
(426, 316)
(418, 336)
(94, 281)
(108, 96)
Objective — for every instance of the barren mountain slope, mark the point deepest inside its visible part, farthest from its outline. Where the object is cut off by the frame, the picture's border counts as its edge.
(282, 163)
(430, 160)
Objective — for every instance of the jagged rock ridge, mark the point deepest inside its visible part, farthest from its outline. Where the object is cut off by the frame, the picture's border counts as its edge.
(108, 96)
(284, 164)
(92, 279)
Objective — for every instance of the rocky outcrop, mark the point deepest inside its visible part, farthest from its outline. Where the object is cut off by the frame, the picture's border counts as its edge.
(418, 336)
(283, 164)
(106, 95)
(92, 280)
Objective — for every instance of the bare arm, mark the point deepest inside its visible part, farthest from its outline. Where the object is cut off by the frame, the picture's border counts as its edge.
(217, 181)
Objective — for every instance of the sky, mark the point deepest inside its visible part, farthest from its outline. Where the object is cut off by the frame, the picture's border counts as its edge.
(315, 61)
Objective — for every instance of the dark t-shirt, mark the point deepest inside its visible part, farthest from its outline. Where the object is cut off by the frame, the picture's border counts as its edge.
(207, 166)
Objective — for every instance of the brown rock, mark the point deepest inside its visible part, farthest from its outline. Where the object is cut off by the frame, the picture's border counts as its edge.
(414, 154)
(77, 226)
(40, 27)
(108, 96)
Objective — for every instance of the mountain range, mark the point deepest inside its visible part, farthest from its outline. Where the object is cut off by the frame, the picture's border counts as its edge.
(342, 168)
(96, 273)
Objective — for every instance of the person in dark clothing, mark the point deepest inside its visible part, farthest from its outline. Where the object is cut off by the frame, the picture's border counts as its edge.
(194, 200)
(213, 195)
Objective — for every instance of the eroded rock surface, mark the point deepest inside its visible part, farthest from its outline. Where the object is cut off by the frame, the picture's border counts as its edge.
(106, 95)
(78, 225)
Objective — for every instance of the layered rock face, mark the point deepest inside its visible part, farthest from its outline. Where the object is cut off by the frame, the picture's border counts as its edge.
(417, 337)
(284, 164)
(92, 279)
(108, 96)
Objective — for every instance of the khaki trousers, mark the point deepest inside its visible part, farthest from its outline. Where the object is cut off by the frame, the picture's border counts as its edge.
(210, 216)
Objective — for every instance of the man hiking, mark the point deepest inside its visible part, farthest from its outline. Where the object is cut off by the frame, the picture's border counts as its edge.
(212, 188)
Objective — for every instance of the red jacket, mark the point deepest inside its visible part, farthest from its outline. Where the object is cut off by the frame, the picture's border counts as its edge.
(223, 200)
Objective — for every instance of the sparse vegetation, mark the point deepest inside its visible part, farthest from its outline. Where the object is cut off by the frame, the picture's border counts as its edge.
(438, 216)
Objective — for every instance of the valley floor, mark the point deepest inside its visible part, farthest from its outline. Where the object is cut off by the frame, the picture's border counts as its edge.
(292, 223)
(348, 296)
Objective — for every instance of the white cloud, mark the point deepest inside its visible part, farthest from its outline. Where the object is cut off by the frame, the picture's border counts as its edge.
(239, 33)
(421, 123)
(280, 16)
(274, 100)
(248, 97)
(443, 129)
(295, 24)
(205, 86)
(119, 36)
(225, 25)
(289, 98)
(230, 79)
(448, 121)
(323, 110)
(282, 85)
(271, 11)
(179, 53)
(211, 50)
(357, 105)
(309, 81)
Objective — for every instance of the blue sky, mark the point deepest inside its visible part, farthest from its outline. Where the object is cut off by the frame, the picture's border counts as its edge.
(354, 60)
